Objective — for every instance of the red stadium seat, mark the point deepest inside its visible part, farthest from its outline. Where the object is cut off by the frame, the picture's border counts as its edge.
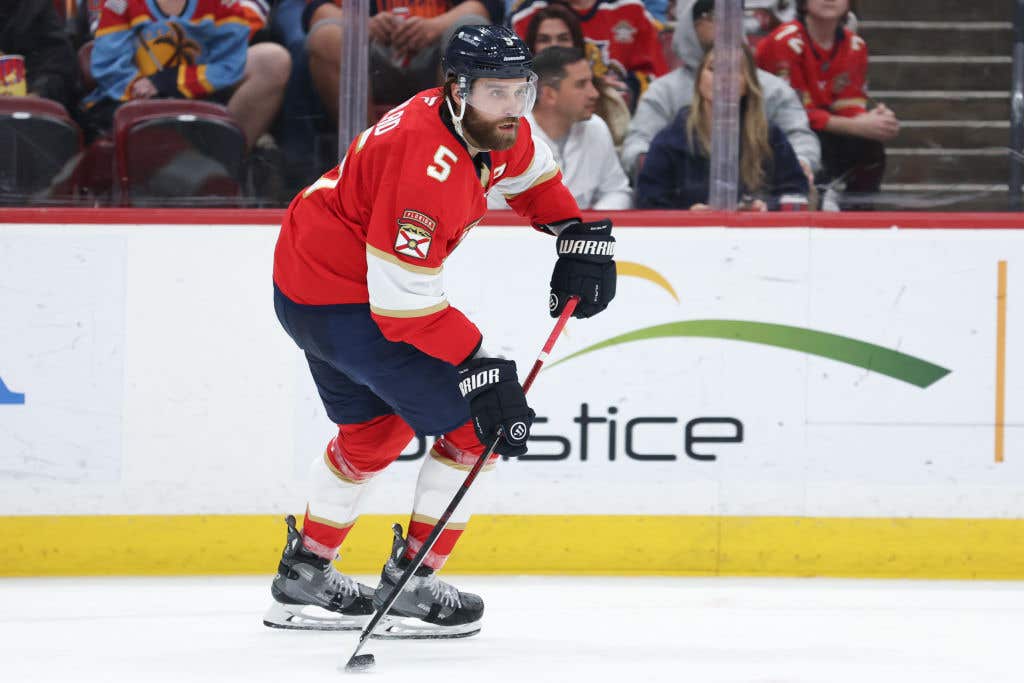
(178, 152)
(94, 177)
(36, 106)
(40, 144)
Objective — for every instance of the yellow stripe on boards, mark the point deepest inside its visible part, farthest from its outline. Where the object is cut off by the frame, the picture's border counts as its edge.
(533, 544)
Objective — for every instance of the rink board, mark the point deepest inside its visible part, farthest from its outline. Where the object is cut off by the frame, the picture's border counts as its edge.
(766, 400)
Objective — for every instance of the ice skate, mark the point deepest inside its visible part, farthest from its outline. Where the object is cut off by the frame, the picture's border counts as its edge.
(310, 594)
(427, 607)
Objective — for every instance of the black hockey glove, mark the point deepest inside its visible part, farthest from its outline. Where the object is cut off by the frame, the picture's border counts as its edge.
(585, 268)
(496, 400)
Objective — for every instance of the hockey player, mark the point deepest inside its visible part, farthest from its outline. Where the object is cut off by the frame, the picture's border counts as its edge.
(358, 274)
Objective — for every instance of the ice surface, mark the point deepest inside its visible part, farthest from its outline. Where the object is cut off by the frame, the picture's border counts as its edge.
(564, 629)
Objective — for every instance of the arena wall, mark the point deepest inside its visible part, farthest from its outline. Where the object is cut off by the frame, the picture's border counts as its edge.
(786, 395)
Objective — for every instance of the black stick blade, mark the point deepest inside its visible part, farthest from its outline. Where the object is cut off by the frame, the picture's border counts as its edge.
(360, 663)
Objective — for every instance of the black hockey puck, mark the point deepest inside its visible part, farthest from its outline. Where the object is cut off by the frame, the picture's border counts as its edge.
(360, 663)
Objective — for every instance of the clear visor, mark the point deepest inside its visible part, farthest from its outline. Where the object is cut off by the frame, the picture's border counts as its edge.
(506, 97)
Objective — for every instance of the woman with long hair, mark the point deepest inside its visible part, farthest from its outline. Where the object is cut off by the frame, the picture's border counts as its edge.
(676, 173)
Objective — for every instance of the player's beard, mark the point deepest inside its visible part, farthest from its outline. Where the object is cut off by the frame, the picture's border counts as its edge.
(488, 134)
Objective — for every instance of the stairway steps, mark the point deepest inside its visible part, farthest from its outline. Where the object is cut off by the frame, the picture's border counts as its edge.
(938, 38)
(945, 68)
(986, 166)
(953, 134)
(944, 10)
(947, 105)
(895, 72)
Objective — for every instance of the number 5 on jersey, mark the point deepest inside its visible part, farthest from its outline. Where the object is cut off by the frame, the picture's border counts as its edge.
(441, 169)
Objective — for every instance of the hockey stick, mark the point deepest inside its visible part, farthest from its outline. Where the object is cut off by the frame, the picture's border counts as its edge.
(358, 662)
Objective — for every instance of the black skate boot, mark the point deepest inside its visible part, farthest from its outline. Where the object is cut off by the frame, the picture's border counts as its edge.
(427, 607)
(309, 593)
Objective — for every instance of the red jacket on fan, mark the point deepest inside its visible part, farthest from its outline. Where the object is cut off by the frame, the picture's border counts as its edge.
(830, 82)
(378, 227)
(620, 34)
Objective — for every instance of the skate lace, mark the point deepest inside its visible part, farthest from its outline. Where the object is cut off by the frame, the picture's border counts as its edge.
(445, 593)
(339, 582)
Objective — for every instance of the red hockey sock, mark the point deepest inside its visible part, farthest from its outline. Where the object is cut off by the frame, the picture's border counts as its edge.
(322, 536)
(419, 528)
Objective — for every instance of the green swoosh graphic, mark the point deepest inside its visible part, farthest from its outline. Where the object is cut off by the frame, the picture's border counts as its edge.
(871, 357)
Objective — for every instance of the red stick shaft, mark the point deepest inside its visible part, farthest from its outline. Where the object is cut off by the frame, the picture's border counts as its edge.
(570, 306)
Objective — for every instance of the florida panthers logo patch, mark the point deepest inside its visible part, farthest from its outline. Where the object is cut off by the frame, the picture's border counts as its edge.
(415, 234)
(623, 32)
(840, 83)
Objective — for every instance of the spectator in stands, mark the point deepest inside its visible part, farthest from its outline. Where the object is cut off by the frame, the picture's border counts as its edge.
(197, 49)
(558, 26)
(32, 29)
(622, 40)
(406, 42)
(302, 113)
(694, 35)
(554, 26)
(827, 65)
(582, 146)
(677, 170)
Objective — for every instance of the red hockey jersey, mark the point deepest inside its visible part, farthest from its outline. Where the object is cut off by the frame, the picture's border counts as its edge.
(830, 82)
(378, 227)
(621, 35)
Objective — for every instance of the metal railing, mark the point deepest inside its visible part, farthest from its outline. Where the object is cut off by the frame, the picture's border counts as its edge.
(1017, 110)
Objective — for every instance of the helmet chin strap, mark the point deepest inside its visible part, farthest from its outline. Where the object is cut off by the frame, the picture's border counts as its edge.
(457, 122)
(457, 118)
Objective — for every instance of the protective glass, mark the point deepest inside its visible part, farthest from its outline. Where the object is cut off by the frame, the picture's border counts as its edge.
(503, 96)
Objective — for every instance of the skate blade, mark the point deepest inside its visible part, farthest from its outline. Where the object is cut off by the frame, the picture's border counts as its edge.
(410, 628)
(311, 618)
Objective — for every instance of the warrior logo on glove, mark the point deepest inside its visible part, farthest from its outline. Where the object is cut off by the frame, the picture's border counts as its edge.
(586, 248)
(518, 431)
(497, 404)
(479, 380)
(585, 268)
